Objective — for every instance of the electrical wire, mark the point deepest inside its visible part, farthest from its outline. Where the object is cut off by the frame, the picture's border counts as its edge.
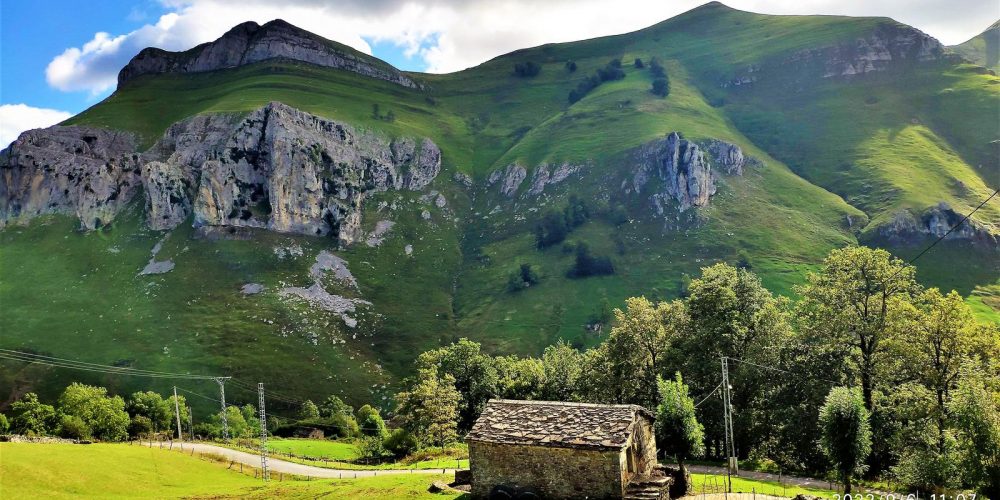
(709, 395)
(94, 367)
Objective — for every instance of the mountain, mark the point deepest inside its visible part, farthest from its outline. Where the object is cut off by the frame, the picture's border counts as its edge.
(983, 49)
(273, 205)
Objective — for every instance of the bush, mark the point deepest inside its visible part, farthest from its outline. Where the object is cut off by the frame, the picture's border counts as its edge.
(638, 63)
(661, 87)
(31, 417)
(612, 71)
(370, 421)
(73, 427)
(551, 230)
(4, 424)
(656, 69)
(524, 277)
(371, 448)
(140, 426)
(527, 69)
(571, 66)
(590, 265)
(401, 443)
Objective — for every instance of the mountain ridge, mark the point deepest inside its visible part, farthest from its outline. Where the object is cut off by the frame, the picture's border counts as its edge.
(773, 174)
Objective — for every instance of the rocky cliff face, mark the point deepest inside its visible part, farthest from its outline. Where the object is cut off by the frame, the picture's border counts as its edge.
(889, 45)
(88, 172)
(936, 221)
(277, 168)
(249, 42)
(680, 165)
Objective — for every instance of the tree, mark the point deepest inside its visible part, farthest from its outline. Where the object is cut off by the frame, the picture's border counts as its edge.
(430, 409)
(853, 301)
(975, 408)
(473, 372)
(656, 68)
(678, 432)
(571, 66)
(308, 411)
(152, 406)
(73, 427)
(845, 433)
(587, 264)
(184, 413)
(661, 87)
(234, 419)
(333, 406)
(519, 378)
(371, 423)
(376, 113)
(638, 63)
(4, 424)
(527, 69)
(390, 116)
(104, 415)
(140, 426)
(562, 365)
(31, 417)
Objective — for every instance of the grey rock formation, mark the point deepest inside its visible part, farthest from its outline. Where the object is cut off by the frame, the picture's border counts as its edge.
(544, 177)
(935, 222)
(464, 179)
(277, 168)
(888, 46)
(681, 166)
(510, 179)
(86, 171)
(290, 171)
(729, 157)
(249, 42)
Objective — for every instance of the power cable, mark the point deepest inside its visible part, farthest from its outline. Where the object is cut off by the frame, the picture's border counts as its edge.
(94, 367)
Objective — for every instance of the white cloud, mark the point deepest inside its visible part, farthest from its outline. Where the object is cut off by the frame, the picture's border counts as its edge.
(16, 118)
(450, 35)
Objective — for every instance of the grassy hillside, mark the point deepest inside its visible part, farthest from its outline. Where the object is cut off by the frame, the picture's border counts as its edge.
(840, 156)
(983, 49)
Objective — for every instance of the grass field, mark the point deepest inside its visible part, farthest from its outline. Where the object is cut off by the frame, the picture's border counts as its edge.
(331, 450)
(29, 471)
(706, 483)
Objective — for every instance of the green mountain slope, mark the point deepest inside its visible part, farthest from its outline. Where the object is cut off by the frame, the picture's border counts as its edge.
(842, 147)
(983, 49)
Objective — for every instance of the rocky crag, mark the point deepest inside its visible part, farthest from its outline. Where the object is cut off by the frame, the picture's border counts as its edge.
(249, 43)
(84, 171)
(683, 170)
(936, 222)
(276, 168)
(890, 45)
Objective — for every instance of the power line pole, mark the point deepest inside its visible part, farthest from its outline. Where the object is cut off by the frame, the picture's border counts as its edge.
(222, 399)
(732, 464)
(190, 413)
(265, 475)
(177, 413)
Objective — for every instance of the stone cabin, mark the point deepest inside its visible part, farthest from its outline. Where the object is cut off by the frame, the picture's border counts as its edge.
(560, 450)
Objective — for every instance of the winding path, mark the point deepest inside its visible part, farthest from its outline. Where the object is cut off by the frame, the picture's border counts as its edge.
(278, 465)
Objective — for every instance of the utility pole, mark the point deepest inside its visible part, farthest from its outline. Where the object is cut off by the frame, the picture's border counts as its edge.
(190, 413)
(222, 399)
(177, 413)
(732, 464)
(265, 474)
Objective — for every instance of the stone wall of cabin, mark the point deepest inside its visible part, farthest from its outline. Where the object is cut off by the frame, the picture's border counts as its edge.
(550, 472)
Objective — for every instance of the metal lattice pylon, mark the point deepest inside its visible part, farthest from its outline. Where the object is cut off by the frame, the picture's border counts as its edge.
(265, 474)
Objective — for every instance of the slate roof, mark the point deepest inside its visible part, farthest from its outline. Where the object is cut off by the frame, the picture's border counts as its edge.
(556, 424)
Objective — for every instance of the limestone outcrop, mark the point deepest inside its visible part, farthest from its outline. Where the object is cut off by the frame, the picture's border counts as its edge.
(276, 168)
(249, 43)
(509, 178)
(543, 176)
(888, 45)
(936, 221)
(84, 171)
(680, 165)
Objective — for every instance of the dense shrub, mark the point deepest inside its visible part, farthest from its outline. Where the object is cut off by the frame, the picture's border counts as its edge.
(571, 66)
(73, 427)
(661, 87)
(31, 417)
(4, 424)
(590, 265)
(612, 71)
(527, 69)
(141, 426)
(370, 421)
(524, 277)
(656, 69)
(401, 443)
(638, 63)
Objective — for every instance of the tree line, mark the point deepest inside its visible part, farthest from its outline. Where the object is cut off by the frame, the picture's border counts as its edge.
(868, 374)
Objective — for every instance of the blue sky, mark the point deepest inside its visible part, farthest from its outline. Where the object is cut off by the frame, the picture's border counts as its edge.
(58, 57)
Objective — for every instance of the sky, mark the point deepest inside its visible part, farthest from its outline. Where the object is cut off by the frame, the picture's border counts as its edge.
(59, 57)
